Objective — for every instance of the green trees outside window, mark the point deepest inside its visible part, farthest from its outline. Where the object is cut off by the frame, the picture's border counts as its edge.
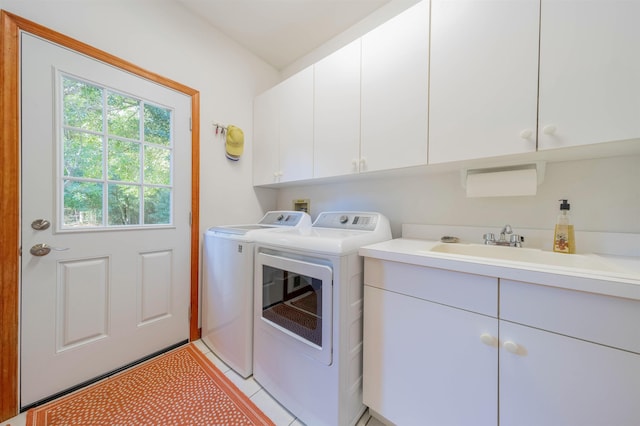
(116, 158)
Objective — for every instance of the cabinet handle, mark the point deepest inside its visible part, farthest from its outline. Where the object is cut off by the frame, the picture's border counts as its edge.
(526, 133)
(488, 339)
(363, 163)
(510, 346)
(549, 129)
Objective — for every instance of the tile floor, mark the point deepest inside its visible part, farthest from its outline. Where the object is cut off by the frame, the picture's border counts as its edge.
(264, 401)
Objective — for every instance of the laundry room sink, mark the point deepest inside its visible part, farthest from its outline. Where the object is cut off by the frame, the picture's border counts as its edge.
(528, 255)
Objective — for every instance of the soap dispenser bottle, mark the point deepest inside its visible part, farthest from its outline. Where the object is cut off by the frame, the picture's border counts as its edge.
(564, 240)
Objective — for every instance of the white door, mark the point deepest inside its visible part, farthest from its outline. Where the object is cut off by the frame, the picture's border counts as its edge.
(106, 161)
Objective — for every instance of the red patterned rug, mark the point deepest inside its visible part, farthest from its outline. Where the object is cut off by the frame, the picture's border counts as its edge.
(180, 387)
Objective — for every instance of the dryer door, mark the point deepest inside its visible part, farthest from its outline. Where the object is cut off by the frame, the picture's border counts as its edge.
(293, 299)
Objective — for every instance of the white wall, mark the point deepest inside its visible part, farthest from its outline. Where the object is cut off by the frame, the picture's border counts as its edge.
(163, 37)
(379, 16)
(604, 195)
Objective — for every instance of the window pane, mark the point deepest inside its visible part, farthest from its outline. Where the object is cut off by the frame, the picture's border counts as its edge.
(123, 116)
(124, 161)
(82, 203)
(157, 165)
(82, 155)
(124, 205)
(157, 125)
(157, 206)
(82, 105)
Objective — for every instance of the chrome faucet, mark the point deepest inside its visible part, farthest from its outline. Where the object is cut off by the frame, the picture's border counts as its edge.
(515, 240)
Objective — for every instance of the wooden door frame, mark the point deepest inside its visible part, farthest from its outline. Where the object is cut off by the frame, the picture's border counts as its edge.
(11, 26)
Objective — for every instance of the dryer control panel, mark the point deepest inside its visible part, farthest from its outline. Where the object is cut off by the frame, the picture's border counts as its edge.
(362, 221)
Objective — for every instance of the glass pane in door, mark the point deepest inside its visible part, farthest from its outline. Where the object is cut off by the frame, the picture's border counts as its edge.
(117, 159)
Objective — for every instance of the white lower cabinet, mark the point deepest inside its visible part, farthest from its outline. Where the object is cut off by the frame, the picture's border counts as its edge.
(424, 363)
(568, 357)
(435, 356)
(558, 380)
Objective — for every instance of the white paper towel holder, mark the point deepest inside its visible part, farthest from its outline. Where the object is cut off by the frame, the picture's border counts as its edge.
(539, 167)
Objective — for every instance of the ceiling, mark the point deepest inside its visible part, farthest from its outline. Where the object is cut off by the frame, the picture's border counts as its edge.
(281, 31)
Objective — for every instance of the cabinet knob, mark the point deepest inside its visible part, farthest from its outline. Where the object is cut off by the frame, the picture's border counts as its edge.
(363, 163)
(510, 346)
(488, 339)
(549, 129)
(526, 133)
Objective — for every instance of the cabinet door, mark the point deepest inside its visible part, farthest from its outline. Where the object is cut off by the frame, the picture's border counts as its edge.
(296, 127)
(266, 137)
(484, 76)
(589, 72)
(336, 141)
(558, 380)
(424, 363)
(395, 91)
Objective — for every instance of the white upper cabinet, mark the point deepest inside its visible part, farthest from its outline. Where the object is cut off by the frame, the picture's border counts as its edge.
(266, 137)
(484, 76)
(589, 72)
(296, 127)
(336, 149)
(283, 131)
(395, 70)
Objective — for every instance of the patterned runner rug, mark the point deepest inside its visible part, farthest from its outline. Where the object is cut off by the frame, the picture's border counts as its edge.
(180, 387)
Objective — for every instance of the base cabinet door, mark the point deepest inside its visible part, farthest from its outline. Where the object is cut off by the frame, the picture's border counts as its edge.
(412, 344)
(550, 379)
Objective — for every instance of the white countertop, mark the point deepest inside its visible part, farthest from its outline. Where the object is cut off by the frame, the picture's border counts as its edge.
(624, 282)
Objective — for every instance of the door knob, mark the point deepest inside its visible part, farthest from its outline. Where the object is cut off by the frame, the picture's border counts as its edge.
(44, 249)
(40, 224)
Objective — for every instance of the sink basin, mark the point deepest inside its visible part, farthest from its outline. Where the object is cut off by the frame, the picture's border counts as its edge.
(527, 255)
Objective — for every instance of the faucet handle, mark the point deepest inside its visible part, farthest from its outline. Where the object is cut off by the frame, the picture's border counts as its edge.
(489, 238)
(516, 240)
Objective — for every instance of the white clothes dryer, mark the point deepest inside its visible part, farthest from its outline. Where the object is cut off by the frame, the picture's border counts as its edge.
(227, 291)
(308, 315)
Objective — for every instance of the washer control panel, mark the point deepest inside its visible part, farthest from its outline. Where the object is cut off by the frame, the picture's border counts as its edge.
(284, 218)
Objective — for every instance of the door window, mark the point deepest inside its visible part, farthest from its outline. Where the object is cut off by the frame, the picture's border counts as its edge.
(116, 158)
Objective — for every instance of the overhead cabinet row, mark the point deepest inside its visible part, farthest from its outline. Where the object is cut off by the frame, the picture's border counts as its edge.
(476, 79)
(359, 109)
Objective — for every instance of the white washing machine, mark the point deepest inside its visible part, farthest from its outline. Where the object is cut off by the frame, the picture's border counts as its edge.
(308, 315)
(227, 291)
